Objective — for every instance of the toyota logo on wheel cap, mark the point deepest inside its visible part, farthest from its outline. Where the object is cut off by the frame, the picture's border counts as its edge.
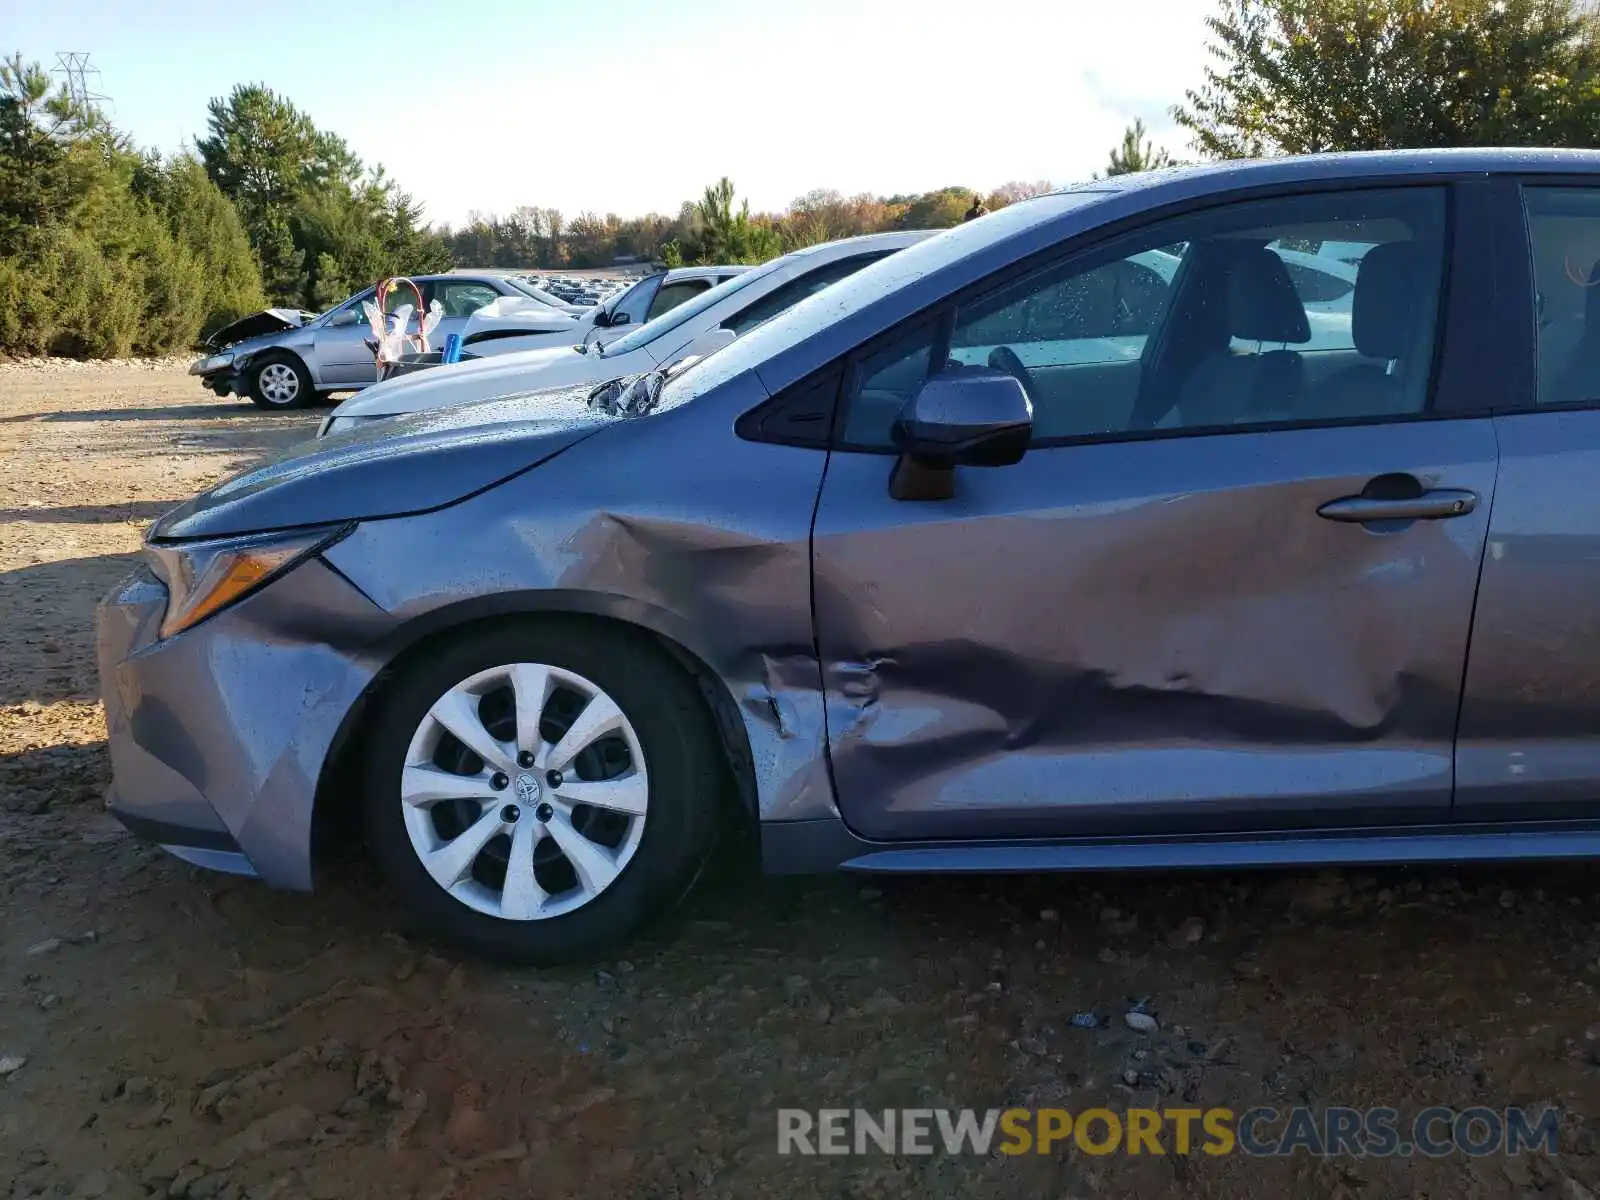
(527, 789)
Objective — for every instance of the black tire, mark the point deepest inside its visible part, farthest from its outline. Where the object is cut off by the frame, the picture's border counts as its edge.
(687, 779)
(304, 392)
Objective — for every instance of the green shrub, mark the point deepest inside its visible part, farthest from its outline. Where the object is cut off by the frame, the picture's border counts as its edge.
(103, 252)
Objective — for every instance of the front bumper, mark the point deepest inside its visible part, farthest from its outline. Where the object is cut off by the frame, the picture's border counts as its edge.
(229, 382)
(219, 735)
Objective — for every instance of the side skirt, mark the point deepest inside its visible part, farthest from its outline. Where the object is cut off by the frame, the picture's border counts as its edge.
(798, 847)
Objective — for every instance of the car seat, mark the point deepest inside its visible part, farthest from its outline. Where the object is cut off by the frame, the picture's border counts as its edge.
(1391, 298)
(1258, 304)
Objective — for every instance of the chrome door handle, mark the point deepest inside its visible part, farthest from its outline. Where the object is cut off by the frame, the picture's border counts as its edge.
(1429, 506)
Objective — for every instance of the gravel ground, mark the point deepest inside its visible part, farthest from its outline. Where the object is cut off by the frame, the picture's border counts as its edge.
(183, 1034)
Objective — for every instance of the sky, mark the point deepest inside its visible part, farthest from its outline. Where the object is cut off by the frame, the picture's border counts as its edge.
(631, 106)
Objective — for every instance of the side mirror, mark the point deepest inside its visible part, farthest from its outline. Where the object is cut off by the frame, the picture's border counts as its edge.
(602, 319)
(962, 416)
(345, 316)
(618, 318)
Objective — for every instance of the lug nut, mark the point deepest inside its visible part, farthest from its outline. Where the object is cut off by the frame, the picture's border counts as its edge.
(499, 781)
(544, 812)
(510, 814)
(525, 759)
(553, 779)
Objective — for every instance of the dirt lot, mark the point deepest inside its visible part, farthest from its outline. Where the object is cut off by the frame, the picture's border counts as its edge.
(193, 1035)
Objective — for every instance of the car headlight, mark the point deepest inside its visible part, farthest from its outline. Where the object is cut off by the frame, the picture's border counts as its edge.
(213, 363)
(204, 578)
(337, 424)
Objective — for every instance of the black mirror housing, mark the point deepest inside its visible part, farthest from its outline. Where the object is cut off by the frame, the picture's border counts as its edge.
(966, 416)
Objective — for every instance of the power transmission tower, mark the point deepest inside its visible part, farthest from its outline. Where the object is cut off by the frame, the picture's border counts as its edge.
(73, 66)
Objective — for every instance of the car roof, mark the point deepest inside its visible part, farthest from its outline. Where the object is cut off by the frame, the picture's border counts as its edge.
(693, 272)
(895, 239)
(456, 276)
(1365, 164)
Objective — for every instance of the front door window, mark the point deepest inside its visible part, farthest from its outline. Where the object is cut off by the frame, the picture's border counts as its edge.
(1231, 319)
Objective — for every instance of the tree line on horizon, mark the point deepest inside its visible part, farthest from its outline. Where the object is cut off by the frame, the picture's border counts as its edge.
(106, 250)
(714, 228)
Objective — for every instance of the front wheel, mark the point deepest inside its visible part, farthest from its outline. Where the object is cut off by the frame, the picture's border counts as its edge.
(536, 793)
(280, 381)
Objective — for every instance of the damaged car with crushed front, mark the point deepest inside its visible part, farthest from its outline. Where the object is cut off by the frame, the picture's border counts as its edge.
(283, 358)
(1009, 552)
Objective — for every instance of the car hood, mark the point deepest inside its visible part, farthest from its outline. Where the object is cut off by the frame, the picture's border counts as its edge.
(486, 378)
(393, 468)
(515, 313)
(258, 325)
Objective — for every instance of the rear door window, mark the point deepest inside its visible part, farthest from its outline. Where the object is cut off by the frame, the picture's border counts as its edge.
(1564, 233)
(462, 299)
(402, 295)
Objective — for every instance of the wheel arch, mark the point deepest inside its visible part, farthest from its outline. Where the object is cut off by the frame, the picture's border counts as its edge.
(335, 813)
(289, 352)
(286, 352)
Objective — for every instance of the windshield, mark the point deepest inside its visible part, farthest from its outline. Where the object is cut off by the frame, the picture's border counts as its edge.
(687, 311)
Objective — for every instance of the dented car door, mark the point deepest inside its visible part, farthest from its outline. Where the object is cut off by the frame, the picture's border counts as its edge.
(1132, 629)
(1069, 648)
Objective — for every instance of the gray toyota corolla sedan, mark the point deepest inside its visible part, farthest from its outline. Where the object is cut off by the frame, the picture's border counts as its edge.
(1010, 552)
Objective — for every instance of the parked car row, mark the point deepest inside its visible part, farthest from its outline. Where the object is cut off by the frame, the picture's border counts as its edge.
(287, 359)
(1145, 524)
(683, 327)
(585, 292)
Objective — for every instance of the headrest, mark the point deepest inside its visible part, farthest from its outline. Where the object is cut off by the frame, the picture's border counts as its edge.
(1389, 298)
(1262, 303)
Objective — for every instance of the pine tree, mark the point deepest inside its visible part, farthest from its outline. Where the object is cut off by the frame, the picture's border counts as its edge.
(1137, 153)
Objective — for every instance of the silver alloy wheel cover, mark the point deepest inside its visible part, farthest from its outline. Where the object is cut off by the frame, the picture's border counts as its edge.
(278, 383)
(450, 861)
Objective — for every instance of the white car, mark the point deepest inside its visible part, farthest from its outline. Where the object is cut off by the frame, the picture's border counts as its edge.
(645, 300)
(658, 293)
(698, 327)
(530, 322)
(526, 285)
